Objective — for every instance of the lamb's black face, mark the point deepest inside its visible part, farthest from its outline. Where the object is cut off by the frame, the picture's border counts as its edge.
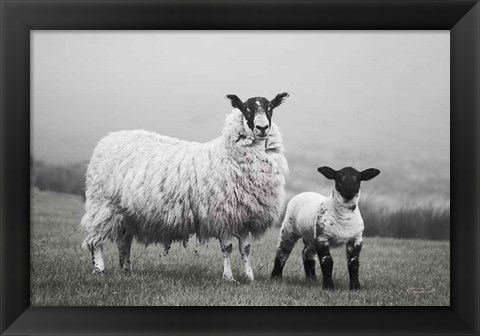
(347, 180)
(258, 112)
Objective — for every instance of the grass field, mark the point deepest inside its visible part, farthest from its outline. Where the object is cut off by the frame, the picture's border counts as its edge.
(392, 271)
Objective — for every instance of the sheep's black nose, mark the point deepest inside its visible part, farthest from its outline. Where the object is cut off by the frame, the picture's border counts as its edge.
(263, 129)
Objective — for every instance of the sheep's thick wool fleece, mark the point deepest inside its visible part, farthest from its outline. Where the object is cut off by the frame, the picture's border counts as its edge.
(165, 189)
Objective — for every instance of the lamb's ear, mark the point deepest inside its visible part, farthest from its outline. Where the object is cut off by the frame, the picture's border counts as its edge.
(236, 102)
(328, 172)
(279, 99)
(369, 174)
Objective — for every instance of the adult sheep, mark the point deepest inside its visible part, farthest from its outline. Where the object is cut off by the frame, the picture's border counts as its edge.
(160, 189)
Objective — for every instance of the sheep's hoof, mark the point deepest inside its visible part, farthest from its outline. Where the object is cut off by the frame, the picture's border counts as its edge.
(249, 278)
(276, 277)
(355, 286)
(229, 279)
(328, 284)
(97, 271)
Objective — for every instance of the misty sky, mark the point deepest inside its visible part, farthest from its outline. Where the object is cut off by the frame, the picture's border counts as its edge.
(376, 92)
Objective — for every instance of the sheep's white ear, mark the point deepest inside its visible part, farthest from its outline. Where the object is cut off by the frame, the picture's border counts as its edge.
(369, 174)
(235, 101)
(279, 99)
(328, 172)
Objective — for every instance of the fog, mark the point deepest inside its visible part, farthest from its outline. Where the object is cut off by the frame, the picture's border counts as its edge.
(353, 94)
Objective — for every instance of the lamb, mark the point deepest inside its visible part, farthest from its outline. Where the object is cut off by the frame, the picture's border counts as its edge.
(323, 222)
(159, 189)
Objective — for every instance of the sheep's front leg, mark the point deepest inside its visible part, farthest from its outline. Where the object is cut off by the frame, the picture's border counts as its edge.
(353, 260)
(97, 258)
(124, 246)
(226, 246)
(326, 263)
(244, 242)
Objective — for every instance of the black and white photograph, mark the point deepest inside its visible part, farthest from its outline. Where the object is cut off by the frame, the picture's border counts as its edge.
(240, 168)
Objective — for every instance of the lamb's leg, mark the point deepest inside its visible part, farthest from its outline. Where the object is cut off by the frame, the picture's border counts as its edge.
(326, 263)
(285, 246)
(308, 257)
(124, 246)
(353, 259)
(226, 245)
(97, 258)
(244, 247)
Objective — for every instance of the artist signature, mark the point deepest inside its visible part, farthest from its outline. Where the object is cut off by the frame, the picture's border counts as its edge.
(420, 290)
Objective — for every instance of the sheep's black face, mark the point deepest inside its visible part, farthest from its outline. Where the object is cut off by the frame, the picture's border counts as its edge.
(347, 180)
(257, 112)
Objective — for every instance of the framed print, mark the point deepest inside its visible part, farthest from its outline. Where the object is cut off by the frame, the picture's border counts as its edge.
(158, 154)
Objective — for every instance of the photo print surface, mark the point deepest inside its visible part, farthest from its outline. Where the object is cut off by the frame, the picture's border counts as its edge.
(240, 168)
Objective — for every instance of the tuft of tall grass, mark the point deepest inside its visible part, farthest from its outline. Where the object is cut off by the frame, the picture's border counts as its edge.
(420, 222)
(60, 178)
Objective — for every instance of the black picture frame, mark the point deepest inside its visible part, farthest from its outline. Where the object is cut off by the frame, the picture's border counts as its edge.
(18, 18)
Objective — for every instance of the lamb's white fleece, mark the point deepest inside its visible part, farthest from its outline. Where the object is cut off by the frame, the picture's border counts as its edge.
(312, 216)
(164, 189)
